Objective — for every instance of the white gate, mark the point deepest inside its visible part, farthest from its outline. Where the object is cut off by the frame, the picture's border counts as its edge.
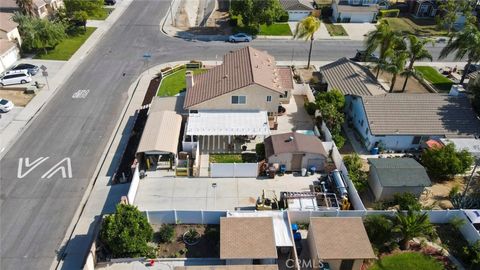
(233, 169)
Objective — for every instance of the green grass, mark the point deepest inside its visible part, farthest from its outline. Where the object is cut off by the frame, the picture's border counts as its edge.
(407, 260)
(442, 83)
(335, 29)
(175, 83)
(226, 158)
(276, 29)
(67, 47)
(102, 16)
(422, 27)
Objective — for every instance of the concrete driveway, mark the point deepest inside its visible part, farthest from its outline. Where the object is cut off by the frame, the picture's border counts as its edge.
(53, 67)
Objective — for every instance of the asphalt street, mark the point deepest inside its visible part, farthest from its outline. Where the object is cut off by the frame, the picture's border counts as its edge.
(45, 173)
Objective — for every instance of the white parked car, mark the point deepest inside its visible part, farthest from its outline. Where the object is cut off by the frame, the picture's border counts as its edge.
(15, 77)
(5, 105)
(240, 37)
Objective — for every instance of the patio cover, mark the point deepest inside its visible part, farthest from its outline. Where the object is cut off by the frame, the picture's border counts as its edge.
(226, 123)
(161, 133)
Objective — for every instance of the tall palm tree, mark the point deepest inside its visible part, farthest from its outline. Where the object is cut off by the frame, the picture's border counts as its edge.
(416, 51)
(465, 43)
(306, 29)
(383, 38)
(395, 65)
(411, 225)
(26, 7)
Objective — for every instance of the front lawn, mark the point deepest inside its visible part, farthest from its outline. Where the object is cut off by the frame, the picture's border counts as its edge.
(67, 47)
(335, 29)
(102, 16)
(276, 29)
(442, 83)
(226, 158)
(407, 260)
(175, 83)
(423, 27)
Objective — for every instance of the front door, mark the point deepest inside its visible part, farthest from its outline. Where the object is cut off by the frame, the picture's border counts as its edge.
(297, 162)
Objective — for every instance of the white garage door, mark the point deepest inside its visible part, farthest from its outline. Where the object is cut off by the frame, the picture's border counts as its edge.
(318, 163)
(294, 16)
(8, 58)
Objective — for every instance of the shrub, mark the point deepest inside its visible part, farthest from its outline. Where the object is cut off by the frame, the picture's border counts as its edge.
(407, 201)
(446, 162)
(472, 254)
(379, 229)
(283, 17)
(310, 107)
(354, 166)
(126, 233)
(389, 13)
(191, 236)
(166, 233)
(454, 191)
(260, 150)
(339, 140)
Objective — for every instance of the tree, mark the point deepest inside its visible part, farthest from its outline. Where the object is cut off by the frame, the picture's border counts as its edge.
(382, 38)
(379, 230)
(449, 15)
(81, 17)
(465, 43)
(474, 87)
(446, 162)
(254, 13)
(26, 7)
(395, 64)
(306, 29)
(126, 233)
(355, 173)
(416, 51)
(93, 8)
(410, 225)
(330, 104)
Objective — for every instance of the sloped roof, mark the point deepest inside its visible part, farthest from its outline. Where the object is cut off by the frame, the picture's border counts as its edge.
(351, 78)
(356, 8)
(6, 45)
(421, 114)
(296, 5)
(301, 143)
(400, 172)
(174, 103)
(6, 22)
(161, 132)
(239, 69)
(247, 238)
(340, 238)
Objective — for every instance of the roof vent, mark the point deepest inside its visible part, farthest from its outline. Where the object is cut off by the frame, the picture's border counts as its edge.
(225, 76)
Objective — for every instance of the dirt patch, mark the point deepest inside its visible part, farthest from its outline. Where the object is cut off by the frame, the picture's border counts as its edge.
(413, 85)
(308, 75)
(207, 246)
(19, 98)
(437, 194)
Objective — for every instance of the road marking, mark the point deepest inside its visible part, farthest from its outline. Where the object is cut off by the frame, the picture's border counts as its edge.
(82, 93)
(33, 165)
(66, 171)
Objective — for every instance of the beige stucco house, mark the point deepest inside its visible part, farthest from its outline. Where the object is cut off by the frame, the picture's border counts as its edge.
(10, 41)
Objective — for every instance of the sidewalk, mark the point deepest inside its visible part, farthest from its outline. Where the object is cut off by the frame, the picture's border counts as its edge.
(21, 121)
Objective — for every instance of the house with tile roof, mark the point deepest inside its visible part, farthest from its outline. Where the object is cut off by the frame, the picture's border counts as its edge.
(357, 11)
(297, 9)
(404, 121)
(10, 41)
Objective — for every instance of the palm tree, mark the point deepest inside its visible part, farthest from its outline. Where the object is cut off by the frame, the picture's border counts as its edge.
(395, 60)
(383, 38)
(416, 51)
(465, 43)
(411, 225)
(26, 7)
(306, 29)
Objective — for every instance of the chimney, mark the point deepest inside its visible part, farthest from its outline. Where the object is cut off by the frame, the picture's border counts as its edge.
(189, 79)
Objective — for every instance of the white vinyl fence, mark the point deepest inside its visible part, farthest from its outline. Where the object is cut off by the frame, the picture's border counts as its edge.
(185, 216)
(132, 191)
(233, 170)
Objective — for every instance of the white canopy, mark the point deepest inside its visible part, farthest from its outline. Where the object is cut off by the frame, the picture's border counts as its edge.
(224, 123)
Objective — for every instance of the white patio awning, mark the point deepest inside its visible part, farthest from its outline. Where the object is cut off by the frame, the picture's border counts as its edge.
(207, 123)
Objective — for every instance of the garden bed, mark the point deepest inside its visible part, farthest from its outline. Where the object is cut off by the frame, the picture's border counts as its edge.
(207, 245)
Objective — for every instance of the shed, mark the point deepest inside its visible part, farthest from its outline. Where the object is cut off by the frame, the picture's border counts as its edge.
(245, 239)
(340, 242)
(296, 151)
(396, 175)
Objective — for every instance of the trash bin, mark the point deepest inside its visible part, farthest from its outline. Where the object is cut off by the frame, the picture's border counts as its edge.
(304, 172)
(312, 170)
(374, 151)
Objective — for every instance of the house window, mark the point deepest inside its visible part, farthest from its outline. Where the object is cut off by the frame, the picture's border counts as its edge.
(285, 94)
(269, 98)
(361, 123)
(366, 131)
(416, 139)
(239, 100)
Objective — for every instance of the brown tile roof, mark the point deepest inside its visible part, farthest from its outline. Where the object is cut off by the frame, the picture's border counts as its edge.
(247, 238)
(340, 238)
(286, 78)
(239, 69)
(301, 143)
(421, 114)
(6, 45)
(229, 267)
(351, 78)
(296, 4)
(351, 8)
(6, 22)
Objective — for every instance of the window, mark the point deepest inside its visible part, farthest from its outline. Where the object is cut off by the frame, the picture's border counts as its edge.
(239, 100)
(366, 131)
(416, 139)
(269, 98)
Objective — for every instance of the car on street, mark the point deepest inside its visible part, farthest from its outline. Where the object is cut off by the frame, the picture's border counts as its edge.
(32, 69)
(240, 37)
(361, 56)
(5, 105)
(110, 2)
(15, 77)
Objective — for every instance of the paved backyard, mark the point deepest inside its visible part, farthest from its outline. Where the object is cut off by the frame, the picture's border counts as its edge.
(162, 193)
(296, 118)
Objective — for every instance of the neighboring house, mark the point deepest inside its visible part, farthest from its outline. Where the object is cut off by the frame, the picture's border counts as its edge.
(472, 145)
(389, 176)
(340, 242)
(296, 151)
(45, 8)
(247, 240)
(356, 11)
(297, 9)
(10, 41)
(240, 97)
(424, 8)
(403, 121)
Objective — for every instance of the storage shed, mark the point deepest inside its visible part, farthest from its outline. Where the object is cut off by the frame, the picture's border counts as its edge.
(296, 151)
(396, 175)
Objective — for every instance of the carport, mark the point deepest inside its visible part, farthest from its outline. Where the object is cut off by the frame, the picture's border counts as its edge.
(159, 143)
